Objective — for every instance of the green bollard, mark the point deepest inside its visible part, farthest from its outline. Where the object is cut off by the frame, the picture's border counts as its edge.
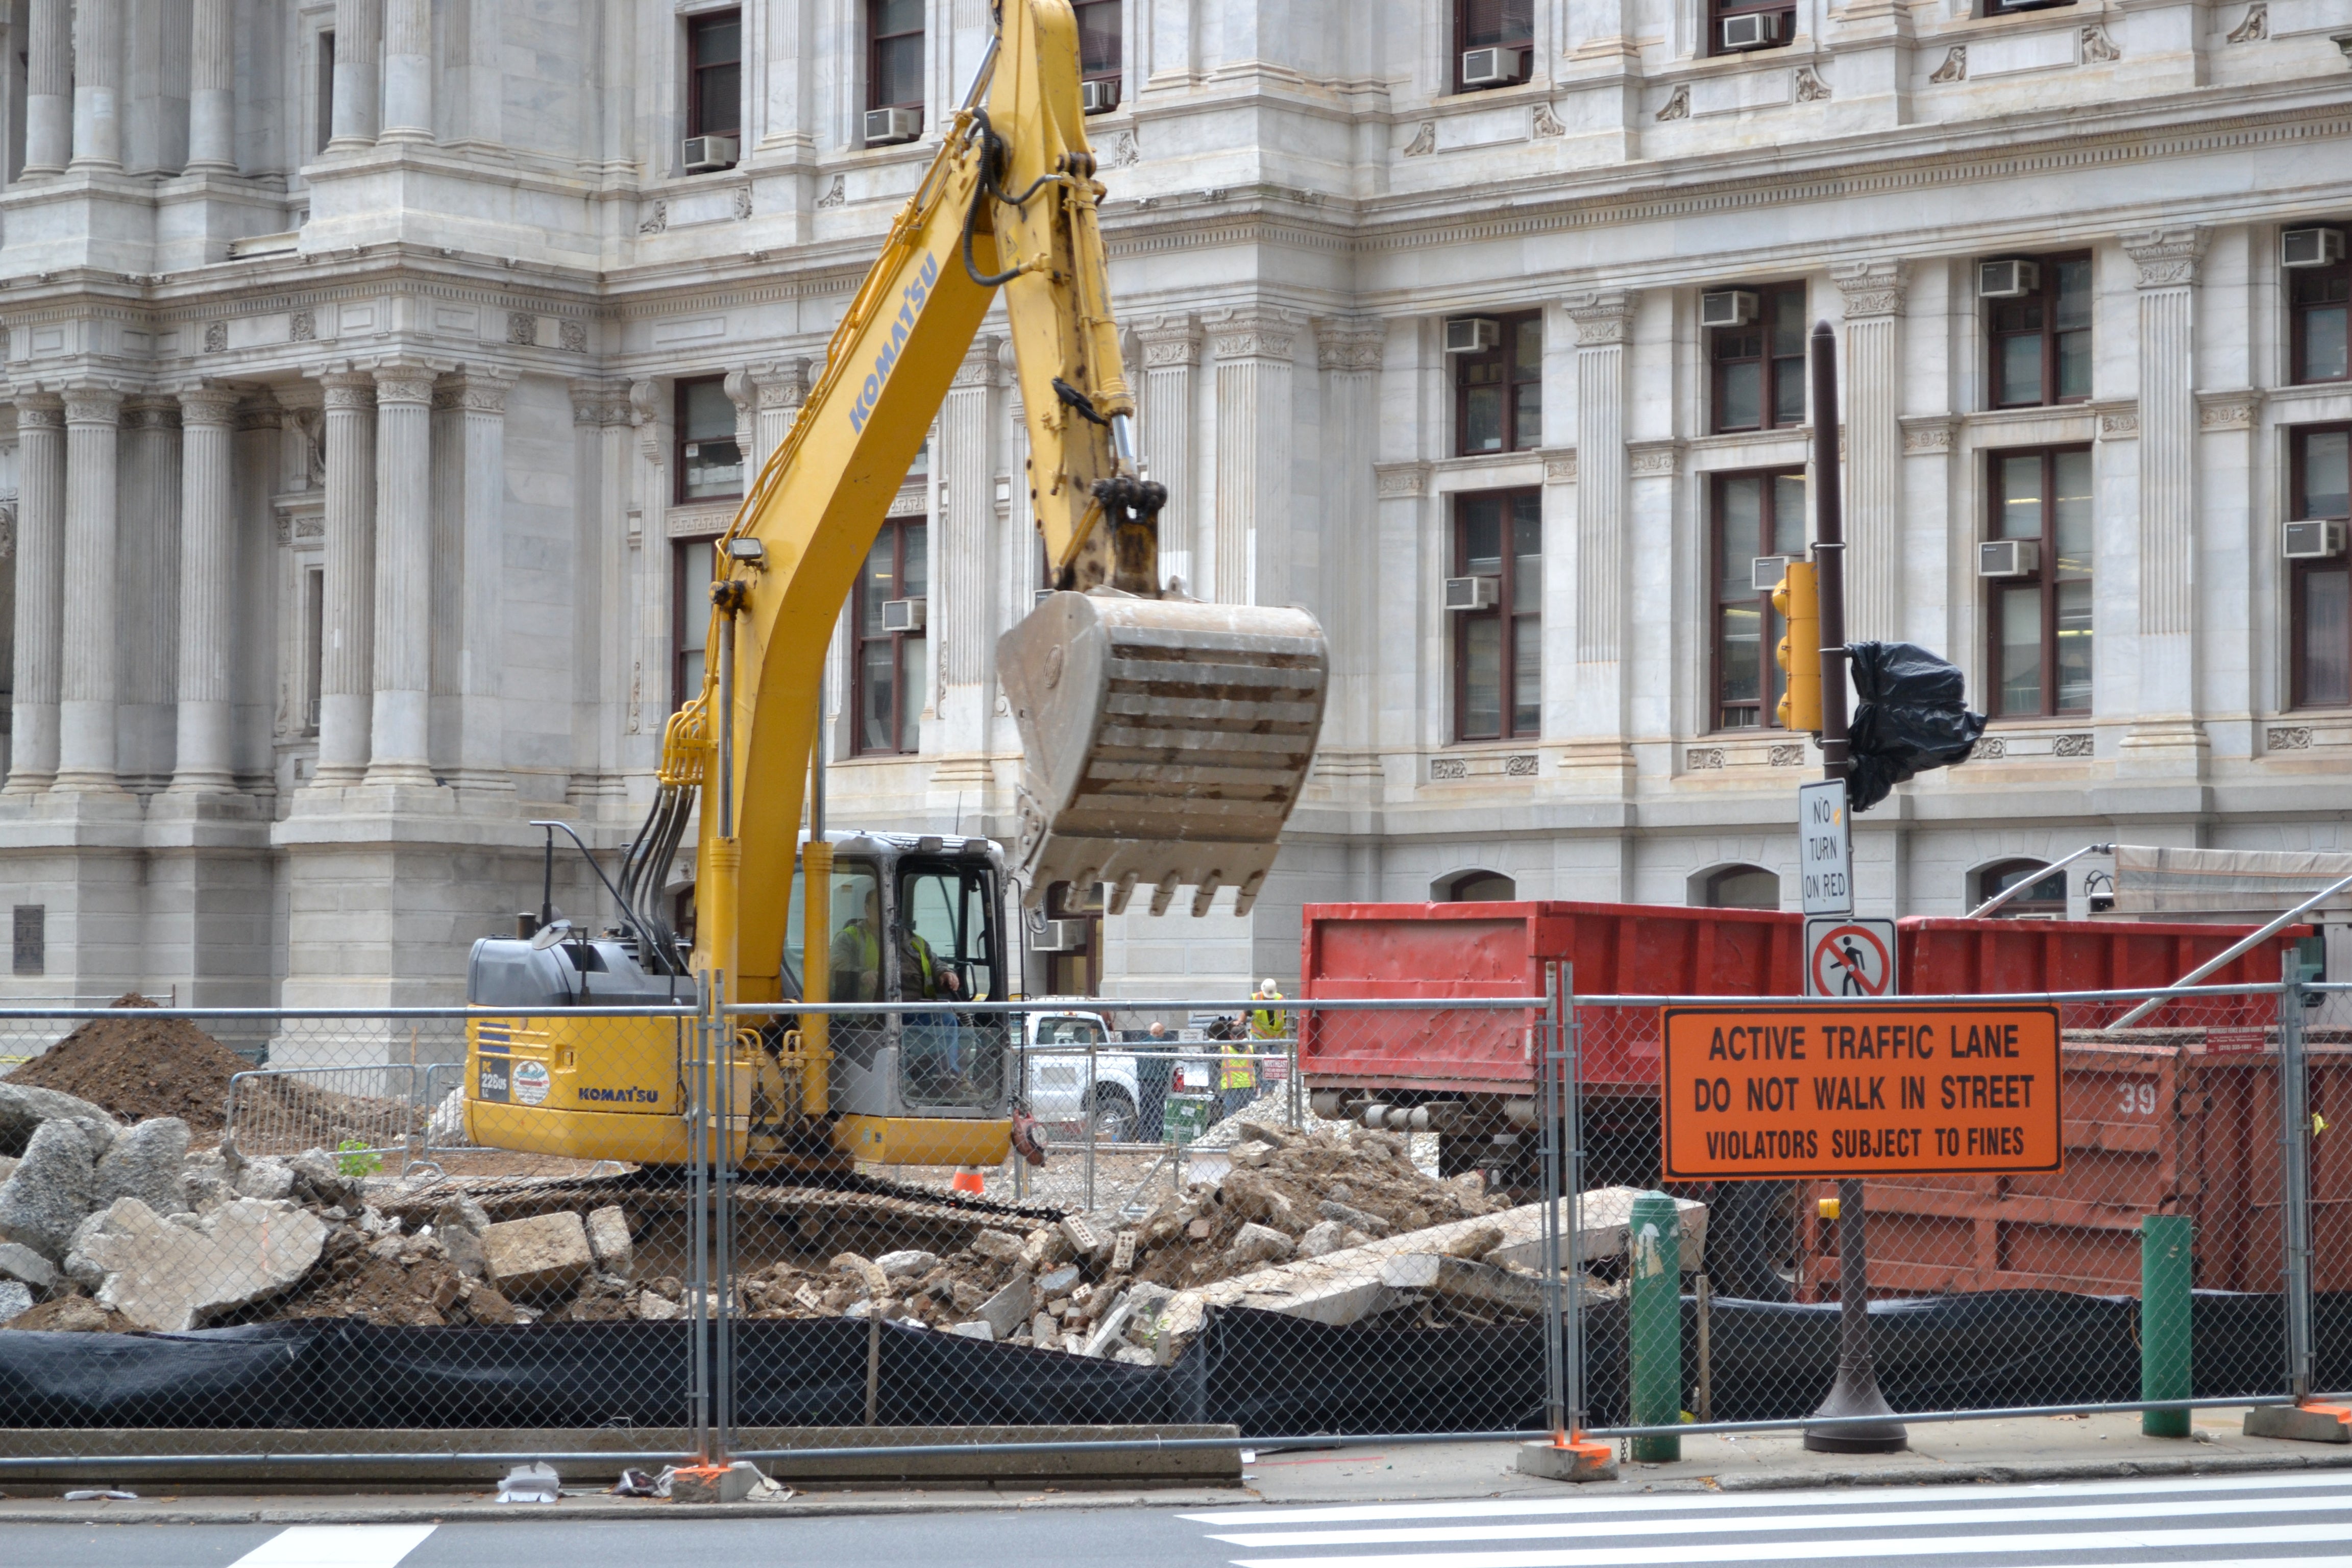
(2164, 1321)
(1655, 1322)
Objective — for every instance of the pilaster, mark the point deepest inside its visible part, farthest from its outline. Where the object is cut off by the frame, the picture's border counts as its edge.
(1341, 584)
(962, 514)
(359, 47)
(204, 760)
(97, 85)
(48, 87)
(1872, 391)
(346, 656)
(1598, 715)
(478, 399)
(1251, 526)
(2165, 738)
(90, 687)
(212, 89)
(1171, 352)
(40, 592)
(401, 751)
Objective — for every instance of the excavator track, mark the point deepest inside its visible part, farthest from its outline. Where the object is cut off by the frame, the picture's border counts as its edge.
(841, 1199)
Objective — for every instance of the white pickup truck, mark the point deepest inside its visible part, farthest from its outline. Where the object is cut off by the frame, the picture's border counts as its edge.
(1055, 1048)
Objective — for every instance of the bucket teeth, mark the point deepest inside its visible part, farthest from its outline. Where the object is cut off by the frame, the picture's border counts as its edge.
(1165, 742)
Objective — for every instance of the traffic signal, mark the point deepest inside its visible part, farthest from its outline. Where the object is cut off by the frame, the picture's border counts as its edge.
(1798, 599)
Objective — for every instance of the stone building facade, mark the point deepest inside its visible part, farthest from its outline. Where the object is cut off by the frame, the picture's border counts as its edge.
(375, 368)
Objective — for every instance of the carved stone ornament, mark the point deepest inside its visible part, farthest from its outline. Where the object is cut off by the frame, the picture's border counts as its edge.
(742, 202)
(1124, 152)
(1955, 67)
(1444, 768)
(1872, 288)
(1169, 342)
(2287, 738)
(2074, 745)
(303, 328)
(784, 385)
(1653, 457)
(1520, 767)
(2098, 48)
(7, 529)
(41, 411)
(573, 336)
(1991, 748)
(403, 385)
(2168, 257)
(2118, 424)
(1560, 470)
(1543, 123)
(2227, 411)
(1348, 345)
(216, 337)
(1252, 332)
(1786, 756)
(655, 221)
(1703, 760)
(2254, 29)
(1397, 480)
(835, 194)
(1810, 88)
(1930, 434)
(1677, 107)
(1424, 142)
(93, 405)
(209, 405)
(1601, 316)
(645, 405)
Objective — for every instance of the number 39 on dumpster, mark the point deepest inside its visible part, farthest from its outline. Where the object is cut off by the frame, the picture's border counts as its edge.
(1772, 1090)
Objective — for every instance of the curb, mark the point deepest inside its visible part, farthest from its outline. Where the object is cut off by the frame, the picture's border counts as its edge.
(576, 1509)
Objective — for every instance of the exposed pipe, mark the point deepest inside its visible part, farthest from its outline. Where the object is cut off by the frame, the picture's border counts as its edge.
(2022, 883)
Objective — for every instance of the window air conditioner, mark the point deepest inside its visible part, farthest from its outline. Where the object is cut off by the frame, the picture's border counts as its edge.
(1058, 936)
(2311, 247)
(903, 614)
(1766, 573)
(704, 153)
(2008, 557)
(1493, 67)
(1756, 30)
(1099, 97)
(884, 126)
(2322, 539)
(2007, 279)
(1471, 334)
(1727, 308)
(1473, 593)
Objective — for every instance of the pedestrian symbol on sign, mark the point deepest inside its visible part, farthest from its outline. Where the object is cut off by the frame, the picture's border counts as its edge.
(1849, 957)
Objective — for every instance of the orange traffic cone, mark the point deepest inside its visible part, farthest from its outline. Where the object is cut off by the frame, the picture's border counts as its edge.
(967, 1179)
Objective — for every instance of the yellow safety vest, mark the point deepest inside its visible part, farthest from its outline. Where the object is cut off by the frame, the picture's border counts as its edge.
(1267, 1024)
(1235, 1067)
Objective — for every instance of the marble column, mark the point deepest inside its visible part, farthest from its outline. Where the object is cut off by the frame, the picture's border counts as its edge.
(40, 589)
(407, 72)
(401, 751)
(481, 406)
(98, 84)
(49, 87)
(1251, 532)
(2166, 659)
(963, 465)
(88, 688)
(743, 392)
(204, 762)
(1871, 390)
(601, 618)
(1342, 584)
(1171, 349)
(784, 388)
(147, 580)
(346, 659)
(358, 46)
(649, 679)
(212, 89)
(1604, 322)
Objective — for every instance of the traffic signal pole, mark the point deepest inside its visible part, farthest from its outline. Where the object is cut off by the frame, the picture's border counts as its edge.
(1855, 1393)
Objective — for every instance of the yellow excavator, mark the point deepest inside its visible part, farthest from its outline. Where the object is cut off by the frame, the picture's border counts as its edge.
(1165, 740)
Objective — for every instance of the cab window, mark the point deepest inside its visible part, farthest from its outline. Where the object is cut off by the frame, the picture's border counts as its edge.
(948, 956)
(855, 947)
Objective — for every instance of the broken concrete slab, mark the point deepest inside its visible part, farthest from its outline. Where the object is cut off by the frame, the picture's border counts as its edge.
(266, 1179)
(609, 1241)
(146, 1163)
(1005, 1311)
(539, 1255)
(24, 1108)
(174, 1276)
(977, 1329)
(1460, 1279)
(52, 1189)
(910, 1264)
(1002, 1245)
(16, 1297)
(1256, 1243)
(27, 1268)
(2301, 1423)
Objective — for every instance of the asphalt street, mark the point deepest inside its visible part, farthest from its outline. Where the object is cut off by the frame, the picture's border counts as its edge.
(2213, 1522)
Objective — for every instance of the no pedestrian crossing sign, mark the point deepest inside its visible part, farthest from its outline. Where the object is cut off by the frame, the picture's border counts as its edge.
(1847, 957)
(1789, 1090)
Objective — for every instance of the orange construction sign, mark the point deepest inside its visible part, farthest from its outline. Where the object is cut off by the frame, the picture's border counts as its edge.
(1781, 1090)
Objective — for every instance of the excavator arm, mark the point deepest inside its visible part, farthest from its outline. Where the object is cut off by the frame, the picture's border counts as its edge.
(1165, 740)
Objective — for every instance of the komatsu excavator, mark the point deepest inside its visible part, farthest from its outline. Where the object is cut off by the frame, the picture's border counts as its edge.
(1165, 740)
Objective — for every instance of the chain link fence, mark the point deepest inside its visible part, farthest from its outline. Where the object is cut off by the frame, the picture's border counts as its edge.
(619, 1237)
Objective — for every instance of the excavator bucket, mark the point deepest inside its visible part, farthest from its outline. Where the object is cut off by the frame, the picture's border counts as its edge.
(1165, 742)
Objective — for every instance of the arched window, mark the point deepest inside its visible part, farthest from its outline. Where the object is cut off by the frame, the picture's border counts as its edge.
(2045, 899)
(1739, 888)
(1475, 888)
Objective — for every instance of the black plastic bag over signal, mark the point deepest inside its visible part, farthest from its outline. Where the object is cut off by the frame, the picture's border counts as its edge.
(1913, 716)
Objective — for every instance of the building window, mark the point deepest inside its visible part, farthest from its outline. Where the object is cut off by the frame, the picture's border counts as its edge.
(2320, 460)
(2045, 899)
(1099, 56)
(694, 563)
(1506, 25)
(314, 644)
(1498, 391)
(1755, 515)
(1774, 24)
(2041, 618)
(1475, 888)
(889, 666)
(1740, 888)
(325, 131)
(1759, 369)
(1499, 650)
(2319, 305)
(2042, 338)
(714, 74)
(894, 57)
(709, 462)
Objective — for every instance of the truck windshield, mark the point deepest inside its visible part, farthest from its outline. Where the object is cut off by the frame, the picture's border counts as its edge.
(948, 954)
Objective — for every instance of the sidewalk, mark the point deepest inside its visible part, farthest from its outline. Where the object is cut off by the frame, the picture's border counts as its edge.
(2023, 1450)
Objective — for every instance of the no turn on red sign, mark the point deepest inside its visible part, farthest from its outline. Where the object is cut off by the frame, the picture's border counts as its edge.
(1849, 957)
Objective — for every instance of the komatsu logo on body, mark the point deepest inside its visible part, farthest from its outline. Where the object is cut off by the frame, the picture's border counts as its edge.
(631, 1095)
(911, 301)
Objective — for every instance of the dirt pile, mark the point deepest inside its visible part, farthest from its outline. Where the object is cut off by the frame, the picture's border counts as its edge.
(141, 1068)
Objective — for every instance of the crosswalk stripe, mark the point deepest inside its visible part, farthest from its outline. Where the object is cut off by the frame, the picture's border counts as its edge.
(337, 1546)
(1883, 1518)
(1991, 1546)
(1711, 1501)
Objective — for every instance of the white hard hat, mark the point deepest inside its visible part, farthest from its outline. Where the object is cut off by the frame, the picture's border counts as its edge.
(1266, 985)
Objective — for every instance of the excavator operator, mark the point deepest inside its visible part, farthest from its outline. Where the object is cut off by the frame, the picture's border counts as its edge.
(857, 954)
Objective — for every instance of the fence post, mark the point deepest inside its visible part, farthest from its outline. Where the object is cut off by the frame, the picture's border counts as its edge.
(1653, 1302)
(697, 1225)
(2294, 1177)
(2164, 1321)
(1559, 1345)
